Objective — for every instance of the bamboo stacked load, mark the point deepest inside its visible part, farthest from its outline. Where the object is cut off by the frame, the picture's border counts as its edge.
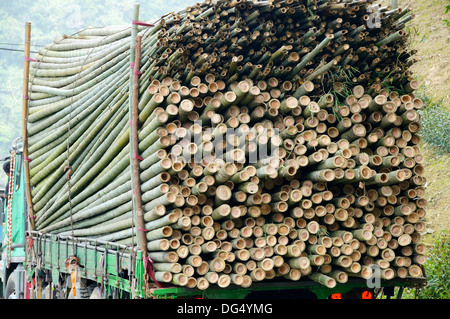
(277, 140)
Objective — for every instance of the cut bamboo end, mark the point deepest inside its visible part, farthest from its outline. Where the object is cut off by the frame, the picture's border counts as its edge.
(323, 279)
(257, 274)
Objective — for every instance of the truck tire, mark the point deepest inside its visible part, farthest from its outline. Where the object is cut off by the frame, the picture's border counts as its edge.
(10, 290)
(84, 292)
(96, 294)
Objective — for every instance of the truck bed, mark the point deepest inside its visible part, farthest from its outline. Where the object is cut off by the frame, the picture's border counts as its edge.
(112, 265)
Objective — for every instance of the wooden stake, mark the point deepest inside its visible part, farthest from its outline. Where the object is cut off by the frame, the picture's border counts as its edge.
(25, 98)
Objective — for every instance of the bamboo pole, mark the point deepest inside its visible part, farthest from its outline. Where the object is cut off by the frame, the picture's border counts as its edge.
(136, 193)
(25, 93)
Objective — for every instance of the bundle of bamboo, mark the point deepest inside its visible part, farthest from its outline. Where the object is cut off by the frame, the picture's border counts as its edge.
(274, 139)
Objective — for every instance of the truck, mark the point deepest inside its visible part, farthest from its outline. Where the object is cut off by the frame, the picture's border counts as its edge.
(37, 265)
(41, 263)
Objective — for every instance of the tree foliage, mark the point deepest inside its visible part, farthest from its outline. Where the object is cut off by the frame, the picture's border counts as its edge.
(437, 269)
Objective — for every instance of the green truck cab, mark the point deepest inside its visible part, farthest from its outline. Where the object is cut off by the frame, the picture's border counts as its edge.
(35, 265)
(13, 224)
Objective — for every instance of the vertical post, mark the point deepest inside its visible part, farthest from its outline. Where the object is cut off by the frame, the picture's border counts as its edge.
(135, 142)
(26, 72)
(138, 213)
(130, 99)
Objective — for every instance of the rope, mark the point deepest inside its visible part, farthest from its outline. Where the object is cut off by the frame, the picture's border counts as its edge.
(150, 270)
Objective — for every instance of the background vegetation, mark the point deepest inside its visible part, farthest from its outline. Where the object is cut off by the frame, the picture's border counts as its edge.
(437, 269)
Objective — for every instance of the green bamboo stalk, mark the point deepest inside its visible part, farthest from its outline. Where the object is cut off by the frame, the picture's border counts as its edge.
(61, 203)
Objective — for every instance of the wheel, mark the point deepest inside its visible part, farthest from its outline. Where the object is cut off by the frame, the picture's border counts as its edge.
(84, 292)
(96, 294)
(10, 290)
